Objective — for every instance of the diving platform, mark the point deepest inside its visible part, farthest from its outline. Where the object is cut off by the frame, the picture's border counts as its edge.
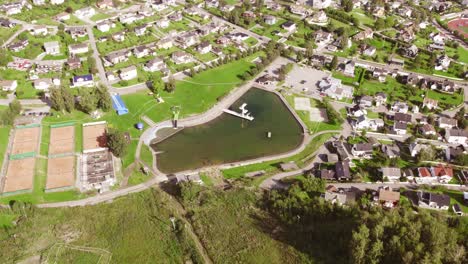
(243, 114)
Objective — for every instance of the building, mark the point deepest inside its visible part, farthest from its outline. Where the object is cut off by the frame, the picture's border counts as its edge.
(430, 103)
(8, 85)
(388, 198)
(181, 57)
(204, 47)
(128, 73)
(270, 20)
(428, 130)
(342, 171)
(447, 123)
(78, 48)
(433, 200)
(443, 173)
(392, 174)
(105, 4)
(333, 88)
(43, 84)
(83, 81)
(289, 26)
(362, 150)
(73, 63)
(52, 47)
(85, 12)
(456, 136)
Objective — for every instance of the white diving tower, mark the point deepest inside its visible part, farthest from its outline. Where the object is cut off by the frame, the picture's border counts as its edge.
(243, 114)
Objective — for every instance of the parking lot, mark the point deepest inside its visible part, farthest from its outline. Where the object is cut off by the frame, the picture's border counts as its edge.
(304, 80)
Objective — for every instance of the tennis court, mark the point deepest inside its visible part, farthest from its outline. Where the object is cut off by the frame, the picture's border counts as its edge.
(62, 140)
(25, 140)
(60, 172)
(94, 136)
(19, 175)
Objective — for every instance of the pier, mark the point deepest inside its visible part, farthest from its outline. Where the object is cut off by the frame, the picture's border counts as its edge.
(243, 114)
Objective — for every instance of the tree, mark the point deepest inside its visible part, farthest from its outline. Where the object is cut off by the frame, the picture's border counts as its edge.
(68, 99)
(92, 65)
(334, 63)
(56, 99)
(15, 107)
(379, 24)
(116, 142)
(104, 98)
(5, 58)
(170, 85)
(462, 160)
(88, 101)
(347, 5)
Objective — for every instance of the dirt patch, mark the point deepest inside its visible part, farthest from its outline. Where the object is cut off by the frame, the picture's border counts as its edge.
(19, 175)
(60, 172)
(94, 137)
(62, 140)
(25, 140)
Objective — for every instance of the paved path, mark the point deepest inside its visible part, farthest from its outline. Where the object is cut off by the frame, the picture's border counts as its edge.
(375, 186)
(272, 181)
(96, 56)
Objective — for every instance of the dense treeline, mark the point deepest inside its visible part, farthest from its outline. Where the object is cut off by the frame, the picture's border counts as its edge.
(365, 234)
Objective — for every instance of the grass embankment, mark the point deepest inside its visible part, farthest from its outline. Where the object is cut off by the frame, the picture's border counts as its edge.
(229, 226)
(134, 229)
(272, 167)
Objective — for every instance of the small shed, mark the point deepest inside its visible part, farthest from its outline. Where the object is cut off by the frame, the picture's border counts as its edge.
(288, 166)
(119, 105)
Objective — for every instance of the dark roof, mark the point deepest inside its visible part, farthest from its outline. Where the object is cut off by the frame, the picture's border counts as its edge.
(402, 117)
(327, 174)
(400, 125)
(342, 170)
(83, 78)
(440, 199)
(363, 147)
(288, 23)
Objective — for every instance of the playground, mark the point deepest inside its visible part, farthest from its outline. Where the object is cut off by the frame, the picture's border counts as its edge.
(62, 140)
(19, 176)
(25, 140)
(94, 136)
(60, 172)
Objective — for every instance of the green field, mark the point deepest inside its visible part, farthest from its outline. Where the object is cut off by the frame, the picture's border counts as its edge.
(6, 33)
(234, 230)
(134, 229)
(4, 133)
(146, 155)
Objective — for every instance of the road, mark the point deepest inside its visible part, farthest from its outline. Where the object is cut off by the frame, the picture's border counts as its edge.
(449, 34)
(375, 186)
(97, 57)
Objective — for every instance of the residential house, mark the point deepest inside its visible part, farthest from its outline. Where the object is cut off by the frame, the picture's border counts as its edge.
(19, 45)
(451, 153)
(416, 148)
(289, 26)
(400, 107)
(140, 30)
(366, 101)
(365, 34)
(204, 47)
(433, 200)
(400, 128)
(13, 8)
(299, 10)
(425, 176)
(362, 150)
(430, 103)
(327, 175)
(343, 149)
(319, 18)
(7, 23)
(388, 198)
(357, 111)
(391, 151)
(165, 43)
(406, 35)
(52, 47)
(447, 123)
(427, 130)
(156, 64)
(105, 4)
(321, 37)
(211, 3)
(443, 173)
(403, 118)
(8, 85)
(457, 210)
(38, 30)
(119, 36)
(78, 48)
(64, 16)
(238, 36)
(410, 52)
(349, 68)
(176, 16)
(456, 136)
(43, 84)
(85, 12)
(333, 88)
(77, 32)
(342, 171)
(187, 39)
(141, 51)
(57, 2)
(38, 2)
(181, 57)
(116, 57)
(380, 99)
(128, 73)
(369, 51)
(392, 174)
(442, 63)
(104, 26)
(227, 8)
(163, 23)
(364, 123)
(83, 81)
(73, 63)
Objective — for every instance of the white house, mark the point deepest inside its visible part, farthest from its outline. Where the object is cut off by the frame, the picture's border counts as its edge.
(204, 47)
(78, 48)
(456, 136)
(104, 26)
(181, 57)
(362, 150)
(52, 47)
(57, 2)
(393, 174)
(442, 63)
(447, 123)
(43, 84)
(333, 88)
(85, 12)
(8, 85)
(128, 73)
(163, 23)
(155, 64)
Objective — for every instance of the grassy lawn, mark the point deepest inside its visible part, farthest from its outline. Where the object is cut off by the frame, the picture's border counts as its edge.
(6, 33)
(78, 138)
(462, 53)
(134, 229)
(36, 46)
(4, 134)
(146, 155)
(137, 177)
(40, 12)
(99, 16)
(74, 21)
(25, 90)
(227, 223)
(362, 17)
(131, 40)
(45, 140)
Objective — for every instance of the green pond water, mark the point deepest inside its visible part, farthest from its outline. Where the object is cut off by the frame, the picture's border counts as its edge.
(228, 138)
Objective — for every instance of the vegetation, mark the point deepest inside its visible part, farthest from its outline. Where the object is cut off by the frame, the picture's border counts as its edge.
(117, 142)
(8, 115)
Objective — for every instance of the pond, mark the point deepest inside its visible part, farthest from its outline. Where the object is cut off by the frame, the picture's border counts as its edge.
(228, 138)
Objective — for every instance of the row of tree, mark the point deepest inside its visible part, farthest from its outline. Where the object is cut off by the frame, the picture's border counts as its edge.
(87, 100)
(7, 117)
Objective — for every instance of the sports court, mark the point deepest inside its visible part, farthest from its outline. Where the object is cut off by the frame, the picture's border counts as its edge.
(94, 136)
(19, 176)
(60, 172)
(62, 140)
(25, 140)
